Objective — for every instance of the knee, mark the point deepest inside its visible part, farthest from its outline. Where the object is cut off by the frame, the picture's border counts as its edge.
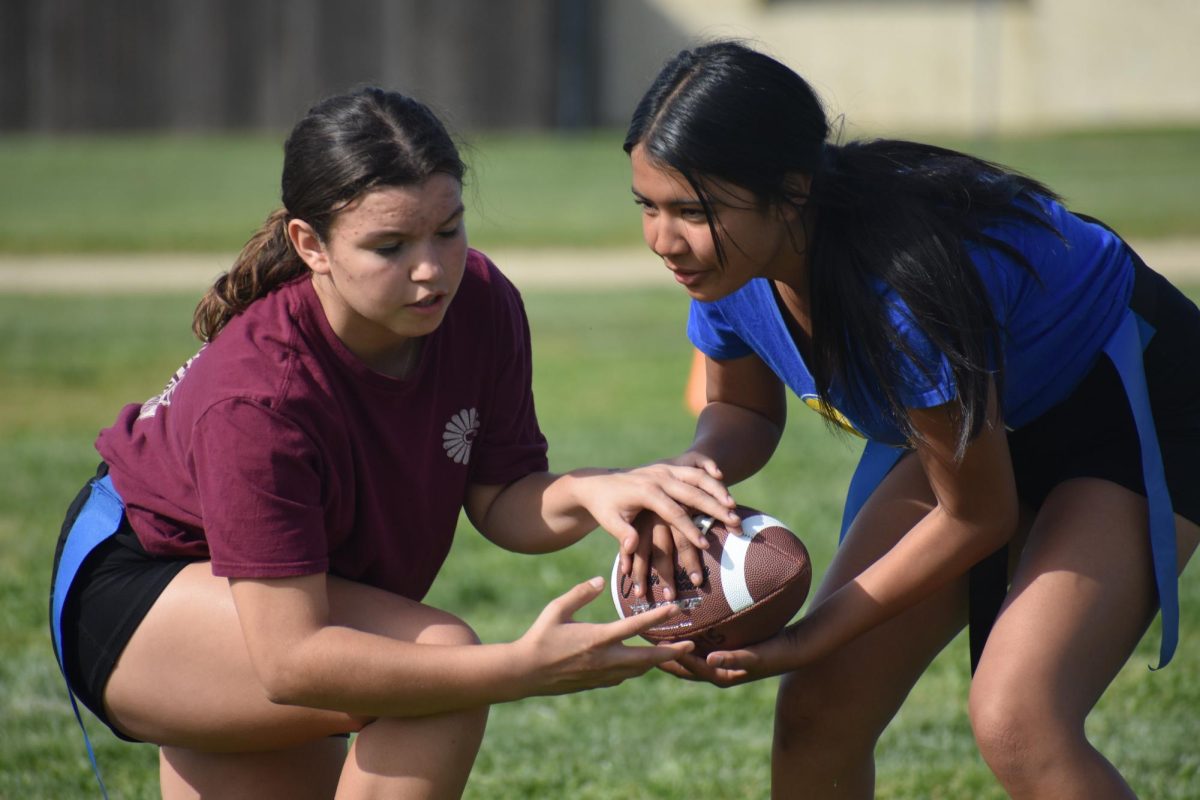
(816, 718)
(1015, 730)
(444, 628)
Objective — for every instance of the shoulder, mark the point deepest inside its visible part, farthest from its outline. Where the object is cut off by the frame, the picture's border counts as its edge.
(256, 355)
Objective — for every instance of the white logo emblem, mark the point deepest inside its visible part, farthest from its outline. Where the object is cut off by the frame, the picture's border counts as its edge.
(150, 407)
(459, 434)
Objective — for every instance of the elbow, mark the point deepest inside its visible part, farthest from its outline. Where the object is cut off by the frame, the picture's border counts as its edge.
(285, 682)
(990, 527)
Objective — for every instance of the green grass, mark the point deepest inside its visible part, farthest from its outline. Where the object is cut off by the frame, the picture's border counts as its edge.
(609, 374)
(161, 193)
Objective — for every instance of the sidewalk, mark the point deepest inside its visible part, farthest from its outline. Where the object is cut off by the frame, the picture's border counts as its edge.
(1178, 259)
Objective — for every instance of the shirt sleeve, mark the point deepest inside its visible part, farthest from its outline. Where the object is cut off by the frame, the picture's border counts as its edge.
(712, 334)
(259, 485)
(926, 379)
(510, 443)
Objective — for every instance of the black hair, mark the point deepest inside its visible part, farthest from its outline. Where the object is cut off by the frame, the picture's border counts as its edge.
(344, 146)
(887, 212)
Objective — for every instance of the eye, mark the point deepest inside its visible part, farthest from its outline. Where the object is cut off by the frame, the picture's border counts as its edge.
(388, 249)
(693, 214)
(451, 232)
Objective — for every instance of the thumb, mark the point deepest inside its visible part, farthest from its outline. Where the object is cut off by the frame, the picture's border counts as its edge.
(563, 607)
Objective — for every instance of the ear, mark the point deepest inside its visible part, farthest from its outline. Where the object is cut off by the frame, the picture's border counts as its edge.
(308, 245)
(797, 187)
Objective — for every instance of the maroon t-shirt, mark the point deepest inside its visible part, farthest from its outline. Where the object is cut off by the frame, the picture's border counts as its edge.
(275, 452)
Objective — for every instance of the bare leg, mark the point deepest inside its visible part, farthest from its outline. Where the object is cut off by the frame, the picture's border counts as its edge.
(1083, 595)
(309, 770)
(830, 714)
(185, 682)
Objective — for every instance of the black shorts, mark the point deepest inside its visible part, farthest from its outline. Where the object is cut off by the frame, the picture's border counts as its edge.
(111, 594)
(1092, 433)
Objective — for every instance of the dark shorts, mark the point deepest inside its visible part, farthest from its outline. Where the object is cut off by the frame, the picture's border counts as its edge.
(1092, 433)
(111, 594)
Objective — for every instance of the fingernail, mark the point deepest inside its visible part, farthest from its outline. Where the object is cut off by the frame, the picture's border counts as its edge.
(637, 589)
(697, 578)
(673, 609)
(668, 593)
(716, 661)
(596, 582)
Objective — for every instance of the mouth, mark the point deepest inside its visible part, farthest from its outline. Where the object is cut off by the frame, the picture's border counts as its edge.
(429, 302)
(687, 278)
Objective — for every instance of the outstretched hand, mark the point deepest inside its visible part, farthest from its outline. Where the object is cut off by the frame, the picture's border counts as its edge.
(563, 656)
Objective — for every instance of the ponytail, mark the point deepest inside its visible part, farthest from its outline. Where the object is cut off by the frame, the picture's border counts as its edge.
(267, 261)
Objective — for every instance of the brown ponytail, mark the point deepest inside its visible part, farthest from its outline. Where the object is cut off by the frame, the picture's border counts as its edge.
(266, 261)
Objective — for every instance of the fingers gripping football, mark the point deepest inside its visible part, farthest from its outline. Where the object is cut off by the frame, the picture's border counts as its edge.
(753, 581)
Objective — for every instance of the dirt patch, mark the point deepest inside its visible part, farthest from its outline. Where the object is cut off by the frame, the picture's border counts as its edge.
(1178, 259)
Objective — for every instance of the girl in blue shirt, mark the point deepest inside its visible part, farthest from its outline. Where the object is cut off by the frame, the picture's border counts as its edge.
(1025, 386)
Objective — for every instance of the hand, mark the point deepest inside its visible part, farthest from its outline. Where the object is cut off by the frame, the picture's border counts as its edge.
(673, 492)
(775, 656)
(563, 656)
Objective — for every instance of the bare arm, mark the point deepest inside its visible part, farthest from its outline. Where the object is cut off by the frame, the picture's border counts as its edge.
(736, 434)
(742, 423)
(544, 511)
(976, 513)
(302, 658)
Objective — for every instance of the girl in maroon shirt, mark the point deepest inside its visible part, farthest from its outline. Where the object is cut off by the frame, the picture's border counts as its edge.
(241, 583)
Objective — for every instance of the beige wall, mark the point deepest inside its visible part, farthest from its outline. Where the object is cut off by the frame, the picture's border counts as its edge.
(968, 66)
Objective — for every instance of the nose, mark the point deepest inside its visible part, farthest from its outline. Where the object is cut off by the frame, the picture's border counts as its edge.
(662, 235)
(428, 266)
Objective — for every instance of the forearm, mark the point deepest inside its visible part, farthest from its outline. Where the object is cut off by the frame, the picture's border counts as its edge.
(740, 441)
(935, 552)
(539, 513)
(361, 673)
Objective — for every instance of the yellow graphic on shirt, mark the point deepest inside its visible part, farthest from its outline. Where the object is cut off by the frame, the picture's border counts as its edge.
(830, 413)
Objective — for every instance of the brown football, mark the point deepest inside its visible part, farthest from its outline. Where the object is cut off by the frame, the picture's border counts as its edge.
(754, 583)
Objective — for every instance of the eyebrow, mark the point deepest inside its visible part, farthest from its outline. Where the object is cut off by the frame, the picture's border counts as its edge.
(675, 203)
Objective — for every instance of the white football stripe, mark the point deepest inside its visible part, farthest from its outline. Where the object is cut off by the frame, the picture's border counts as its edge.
(733, 561)
(733, 572)
(752, 525)
(615, 586)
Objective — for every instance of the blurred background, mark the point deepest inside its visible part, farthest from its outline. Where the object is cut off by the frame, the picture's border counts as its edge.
(964, 66)
(140, 146)
(155, 125)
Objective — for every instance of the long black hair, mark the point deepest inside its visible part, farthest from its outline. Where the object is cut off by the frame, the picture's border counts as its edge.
(886, 211)
(344, 146)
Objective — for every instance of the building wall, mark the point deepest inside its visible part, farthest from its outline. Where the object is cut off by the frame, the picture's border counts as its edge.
(973, 66)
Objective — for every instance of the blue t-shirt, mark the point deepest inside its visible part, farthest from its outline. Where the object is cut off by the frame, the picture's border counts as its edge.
(1053, 326)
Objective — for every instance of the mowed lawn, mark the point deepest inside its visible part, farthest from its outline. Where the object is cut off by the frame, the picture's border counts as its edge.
(608, 383)
(170, 193)
(610, 369)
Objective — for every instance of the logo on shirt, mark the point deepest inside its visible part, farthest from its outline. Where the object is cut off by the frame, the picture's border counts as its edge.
(460, 434)
(150, 407)
(830, 413)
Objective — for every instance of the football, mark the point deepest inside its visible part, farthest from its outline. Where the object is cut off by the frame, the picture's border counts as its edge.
(755, 581)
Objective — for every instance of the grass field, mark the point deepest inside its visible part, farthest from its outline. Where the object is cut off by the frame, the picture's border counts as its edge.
(609, 374)
(120, 194)
(610, 368)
